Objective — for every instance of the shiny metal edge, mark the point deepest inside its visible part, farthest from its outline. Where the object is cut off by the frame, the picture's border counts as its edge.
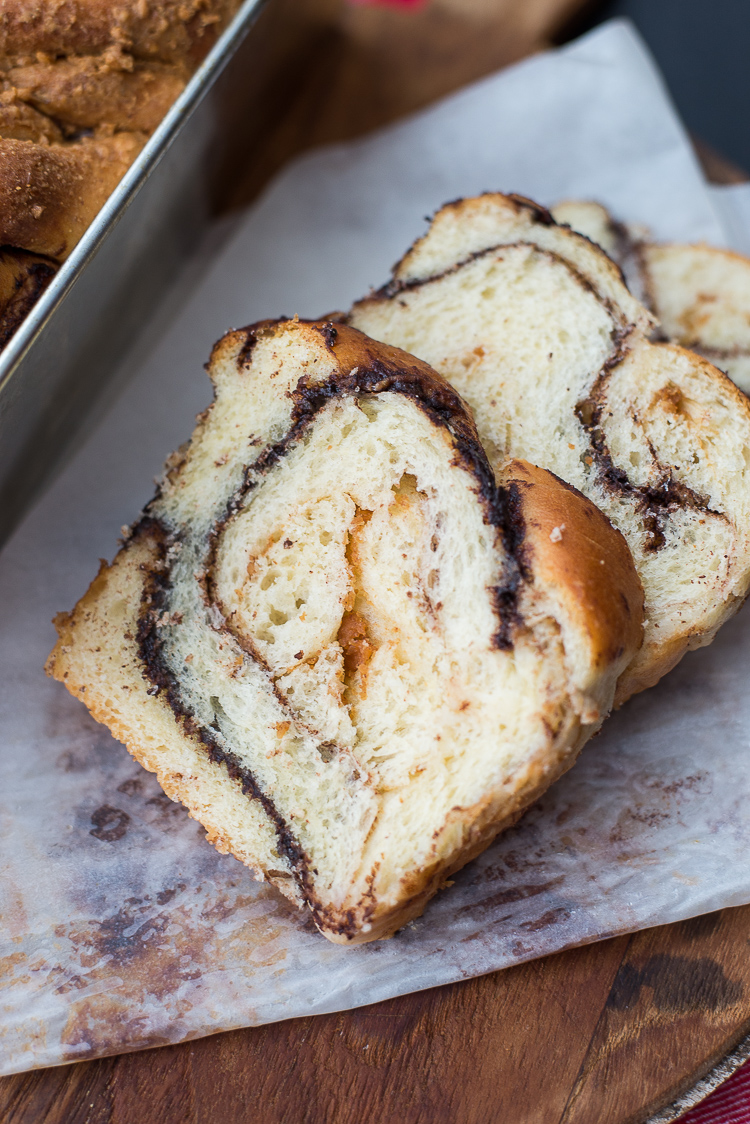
(136, 176)
(68, 358)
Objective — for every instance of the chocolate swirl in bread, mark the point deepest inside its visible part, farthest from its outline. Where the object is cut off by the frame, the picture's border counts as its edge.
(351, 652)
(534, 326)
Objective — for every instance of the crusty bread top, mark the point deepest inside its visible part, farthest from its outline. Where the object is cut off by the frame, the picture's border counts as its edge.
(19, 121)
(591, 581)
(49, 194)
(89, 91)
(69, 66)
(178, 31)
(337, 640)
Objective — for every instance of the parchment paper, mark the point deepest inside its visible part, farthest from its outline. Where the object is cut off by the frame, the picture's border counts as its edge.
(121, 927)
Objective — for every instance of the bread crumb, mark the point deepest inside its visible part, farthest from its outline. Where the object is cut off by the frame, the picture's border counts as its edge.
(556, 533)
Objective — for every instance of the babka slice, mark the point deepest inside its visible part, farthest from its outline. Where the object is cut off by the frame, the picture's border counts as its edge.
(533, 325)
(700, 294)
(337, 640)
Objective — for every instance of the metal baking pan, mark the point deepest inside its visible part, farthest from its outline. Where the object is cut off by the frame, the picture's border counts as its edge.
(63, 356)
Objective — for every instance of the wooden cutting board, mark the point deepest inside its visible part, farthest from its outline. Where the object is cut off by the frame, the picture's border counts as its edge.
(606, 1034)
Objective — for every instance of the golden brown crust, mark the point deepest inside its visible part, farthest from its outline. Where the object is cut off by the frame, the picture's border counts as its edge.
(577, 550)
(169, 30)
(49, 194)
(88, 92)
(22, 122)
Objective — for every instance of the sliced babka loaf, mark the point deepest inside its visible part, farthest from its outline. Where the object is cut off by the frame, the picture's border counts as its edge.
(700, 294)
(350, 652)
(533, 325)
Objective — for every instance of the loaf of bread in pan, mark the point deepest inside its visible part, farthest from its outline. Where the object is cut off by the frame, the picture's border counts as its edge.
(175, 31)
(82, 85)
(89, 91)
(50, 193)
(351, 653)
(533, 325)
(700, 294)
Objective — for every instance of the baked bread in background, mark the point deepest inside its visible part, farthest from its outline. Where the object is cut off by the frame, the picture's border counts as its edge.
(533, 325)
(700, 294)
(350, 652)
(83, 83)
(180, 32)
(49, 194)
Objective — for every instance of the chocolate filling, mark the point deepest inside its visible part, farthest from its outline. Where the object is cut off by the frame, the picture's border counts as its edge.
(154, 602)
(502, 510)
(395, 286)
(655, 502)
(33, 274)
(443, 406)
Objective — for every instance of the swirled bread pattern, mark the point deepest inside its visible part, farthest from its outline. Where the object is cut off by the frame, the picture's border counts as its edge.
(700, 294)
(338, 640)
(534, 326)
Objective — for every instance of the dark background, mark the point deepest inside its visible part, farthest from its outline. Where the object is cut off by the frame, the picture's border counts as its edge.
(703, 50)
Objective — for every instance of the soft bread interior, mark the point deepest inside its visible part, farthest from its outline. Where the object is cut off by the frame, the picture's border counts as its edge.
(594, 221)
(533, 324)
(702, 298)
(700, 294)
(325, 619)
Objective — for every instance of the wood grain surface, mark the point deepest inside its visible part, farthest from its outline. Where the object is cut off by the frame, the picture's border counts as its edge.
(605, 1034)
